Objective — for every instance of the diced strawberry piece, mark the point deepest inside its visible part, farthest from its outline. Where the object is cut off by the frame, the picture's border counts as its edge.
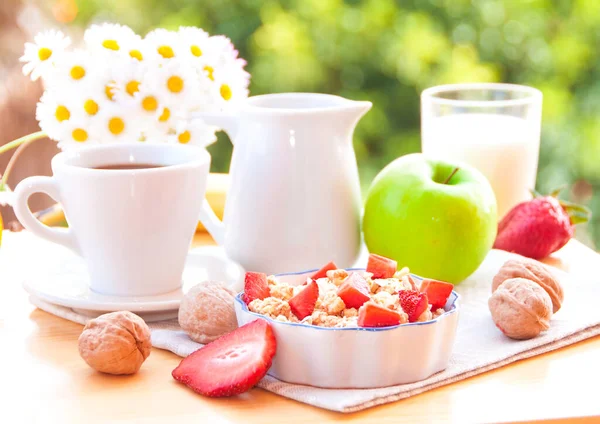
(354, 291)
(381, 267)
(232, 364)
(413, 303)
(322, 273)
(437, 292)
(255, 287)
(372, 315)
(303, 304)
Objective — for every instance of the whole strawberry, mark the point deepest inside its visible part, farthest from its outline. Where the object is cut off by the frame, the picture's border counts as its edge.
(539, 227)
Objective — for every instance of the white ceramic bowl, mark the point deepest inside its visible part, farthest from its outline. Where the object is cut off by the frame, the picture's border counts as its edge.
(358, 358)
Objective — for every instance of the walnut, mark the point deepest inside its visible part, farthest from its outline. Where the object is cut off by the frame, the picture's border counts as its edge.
(115, 343)
(520, 308)
(534, 271)
(207, 312)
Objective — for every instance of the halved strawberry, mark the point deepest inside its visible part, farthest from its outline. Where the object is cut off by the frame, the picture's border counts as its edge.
(322, 273)
(354, 291)
(232, 364)
(372, 315)
(255, 287)
(303, 304)
(381, 267)
(437, 292)
(413, 303)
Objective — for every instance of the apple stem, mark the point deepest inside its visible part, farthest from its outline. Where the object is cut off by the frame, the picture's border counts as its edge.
(451, 175)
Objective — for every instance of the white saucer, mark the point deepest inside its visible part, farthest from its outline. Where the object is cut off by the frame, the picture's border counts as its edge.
(65, 282)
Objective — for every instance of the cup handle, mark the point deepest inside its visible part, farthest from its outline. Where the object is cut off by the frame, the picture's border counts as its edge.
(212, 223)
(46, 185)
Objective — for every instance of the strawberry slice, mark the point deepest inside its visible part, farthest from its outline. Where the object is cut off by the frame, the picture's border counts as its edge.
(322, 273)
(437, 292)
(413, 303)
(381, 267)
(372, 315)
(255, 287)
(303, 304)
(354, 291)
(232, 364)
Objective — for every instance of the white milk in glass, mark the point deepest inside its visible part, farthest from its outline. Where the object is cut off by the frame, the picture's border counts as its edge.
(504, 148)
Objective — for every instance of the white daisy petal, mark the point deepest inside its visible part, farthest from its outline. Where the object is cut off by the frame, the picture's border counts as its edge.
(7, 197)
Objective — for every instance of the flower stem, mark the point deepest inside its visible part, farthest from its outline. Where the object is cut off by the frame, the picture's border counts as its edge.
(21, 143)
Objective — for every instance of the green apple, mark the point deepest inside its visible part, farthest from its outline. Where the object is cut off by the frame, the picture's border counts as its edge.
(439, 223)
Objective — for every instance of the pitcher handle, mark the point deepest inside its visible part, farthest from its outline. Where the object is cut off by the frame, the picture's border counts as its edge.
(212, 223)
(226, 121)
(23, 192)
(229, 123)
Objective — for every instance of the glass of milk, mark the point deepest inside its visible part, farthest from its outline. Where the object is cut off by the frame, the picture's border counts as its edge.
(493, 127)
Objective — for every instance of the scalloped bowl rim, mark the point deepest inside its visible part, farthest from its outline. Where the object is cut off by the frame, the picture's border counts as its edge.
(454, 307)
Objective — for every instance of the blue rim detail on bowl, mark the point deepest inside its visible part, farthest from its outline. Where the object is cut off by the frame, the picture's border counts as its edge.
(454, 308)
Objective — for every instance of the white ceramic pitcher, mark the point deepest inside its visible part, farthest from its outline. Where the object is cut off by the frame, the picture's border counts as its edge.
(294, 202)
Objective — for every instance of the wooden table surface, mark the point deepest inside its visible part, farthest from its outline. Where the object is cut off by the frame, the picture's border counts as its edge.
(43, 379)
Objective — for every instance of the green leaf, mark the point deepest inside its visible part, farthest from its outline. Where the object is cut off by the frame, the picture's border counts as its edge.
(557, 191)
(577, 213)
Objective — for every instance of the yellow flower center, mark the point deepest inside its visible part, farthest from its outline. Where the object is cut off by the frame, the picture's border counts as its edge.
(108, 90)
(44, 53)
(149, 103)
(136, 54)
(175, 84)
(62, 113)
(79, 135)
(165, 115)
(110, 44)
(210, 70)
(184, 137)
(225, 92)
(116, 125)
(196, 51)
(132, 87)
(91, 107)
(77, 72)
(166, 52)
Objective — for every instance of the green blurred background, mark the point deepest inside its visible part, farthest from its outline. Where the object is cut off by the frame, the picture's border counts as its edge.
(389, 51)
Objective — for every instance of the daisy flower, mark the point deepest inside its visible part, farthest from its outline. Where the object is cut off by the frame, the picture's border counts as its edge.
(76, 131)
(43, 52)
(194, 42)
(74, 69)
(193, 131)
(110, 38)
(127, 76)
(228, 90)
(175, 82)
(116, 124)
(166, 43)
(142, 51)
(53, 113)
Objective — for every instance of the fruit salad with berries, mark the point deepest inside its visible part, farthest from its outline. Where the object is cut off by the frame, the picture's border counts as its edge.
(381, 296)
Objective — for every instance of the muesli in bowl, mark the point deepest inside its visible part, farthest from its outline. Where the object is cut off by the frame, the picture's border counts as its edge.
(353, 328)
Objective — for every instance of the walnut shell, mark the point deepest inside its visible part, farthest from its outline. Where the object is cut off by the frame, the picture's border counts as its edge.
(534, 271)
(207, 312)
(115, 343)
(520, 308)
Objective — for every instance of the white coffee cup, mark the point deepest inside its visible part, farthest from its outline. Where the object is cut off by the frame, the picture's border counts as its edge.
(133, 227)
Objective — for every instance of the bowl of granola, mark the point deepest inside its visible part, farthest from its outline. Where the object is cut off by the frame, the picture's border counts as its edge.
(353, 328)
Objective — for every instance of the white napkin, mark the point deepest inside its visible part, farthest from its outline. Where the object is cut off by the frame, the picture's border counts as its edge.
(479, 346)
